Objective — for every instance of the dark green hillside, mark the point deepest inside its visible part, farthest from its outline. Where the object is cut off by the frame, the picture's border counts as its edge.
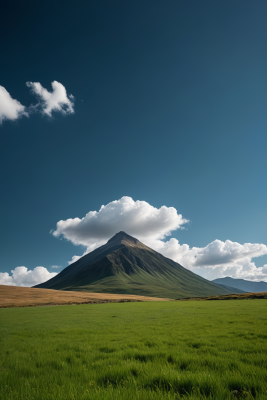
(125, 265)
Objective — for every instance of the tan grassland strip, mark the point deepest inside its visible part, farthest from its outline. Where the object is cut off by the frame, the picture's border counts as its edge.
(241, 296)
(16, 296)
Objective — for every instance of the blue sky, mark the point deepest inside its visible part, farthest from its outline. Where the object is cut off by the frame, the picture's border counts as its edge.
(169, 108)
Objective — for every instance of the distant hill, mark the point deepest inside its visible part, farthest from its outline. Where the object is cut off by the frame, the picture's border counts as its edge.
(242, 284)
(126, 266)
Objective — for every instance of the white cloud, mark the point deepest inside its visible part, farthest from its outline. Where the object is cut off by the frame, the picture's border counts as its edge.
(218, 259)
(137, 218)
(219, 252)
(57, 100)
(151, 226)
(10, 108)
(20, 276)
(245, 269)
(56, 266)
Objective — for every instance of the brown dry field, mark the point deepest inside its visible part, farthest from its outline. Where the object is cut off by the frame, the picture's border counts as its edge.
(241, 296)
(16, 296)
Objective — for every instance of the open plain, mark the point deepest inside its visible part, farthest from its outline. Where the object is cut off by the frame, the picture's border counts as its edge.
(143, 350)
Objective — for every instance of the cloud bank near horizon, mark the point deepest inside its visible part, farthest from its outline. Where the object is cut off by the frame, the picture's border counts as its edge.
(21, 276)
(57, 100)
(152, 226)
(218, 259)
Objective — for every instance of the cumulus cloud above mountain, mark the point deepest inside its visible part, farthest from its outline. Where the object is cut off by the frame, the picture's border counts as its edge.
(21, 276)
(137, 218)
(152, 226)
(57, 100)
(10, 108)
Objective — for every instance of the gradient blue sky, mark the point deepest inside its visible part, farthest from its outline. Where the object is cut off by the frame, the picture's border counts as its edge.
(170, 108)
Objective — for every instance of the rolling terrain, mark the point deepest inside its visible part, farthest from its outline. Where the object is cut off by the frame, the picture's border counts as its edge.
(124, 265)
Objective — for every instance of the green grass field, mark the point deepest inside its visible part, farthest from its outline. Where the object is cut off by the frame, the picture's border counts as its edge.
(161, 350)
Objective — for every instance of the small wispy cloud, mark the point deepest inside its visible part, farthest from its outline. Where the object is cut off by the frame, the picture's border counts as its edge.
(55, 101)
(10, 109)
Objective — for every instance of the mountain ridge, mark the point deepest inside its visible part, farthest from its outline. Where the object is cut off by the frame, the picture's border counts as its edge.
(242, 284)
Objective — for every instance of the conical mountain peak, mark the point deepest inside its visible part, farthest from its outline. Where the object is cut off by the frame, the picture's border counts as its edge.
(121, 237)
(125, 265)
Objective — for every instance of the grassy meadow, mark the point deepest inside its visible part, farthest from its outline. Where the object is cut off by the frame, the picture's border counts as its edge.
(158, 350)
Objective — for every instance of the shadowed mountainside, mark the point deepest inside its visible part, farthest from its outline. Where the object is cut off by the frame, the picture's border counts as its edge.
(126, 266)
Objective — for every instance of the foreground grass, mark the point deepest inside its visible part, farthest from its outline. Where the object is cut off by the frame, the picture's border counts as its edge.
(161, 350)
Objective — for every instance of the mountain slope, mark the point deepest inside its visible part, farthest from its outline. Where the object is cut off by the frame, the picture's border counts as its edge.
(242, 284)
(126, 266)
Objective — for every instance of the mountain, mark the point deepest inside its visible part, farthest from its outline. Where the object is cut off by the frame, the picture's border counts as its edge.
(125, 265)
(242, 284)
